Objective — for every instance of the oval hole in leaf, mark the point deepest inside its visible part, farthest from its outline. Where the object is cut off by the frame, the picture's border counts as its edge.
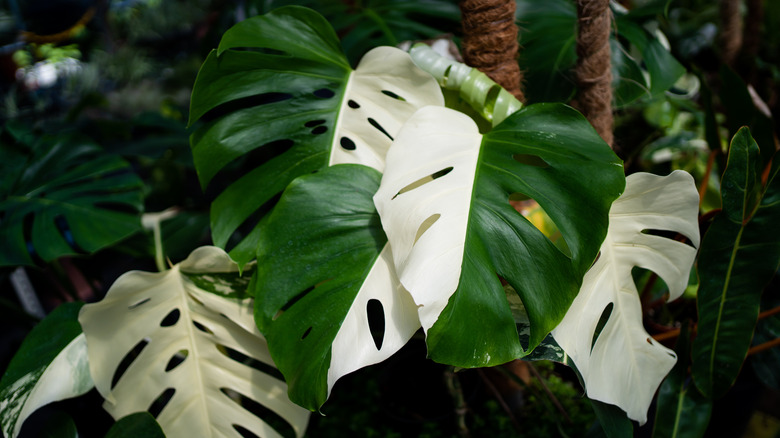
(251, 222)
(126, 361)
(171, 318)
(176, 360)
(376, 321)
(393, 95)
(379, 127)
(424, 180)
(426, 225)
(530, 160)
(352, 104)
(250, 362)
(27, 225)
(602, 322)
(242, 165)
(313, 123)
(279, 424)
(306, 333)
(324, 93)
(319, 130)
(202, 327)
(347, 144)
(535, 214)
(64, 229)
(159, 403)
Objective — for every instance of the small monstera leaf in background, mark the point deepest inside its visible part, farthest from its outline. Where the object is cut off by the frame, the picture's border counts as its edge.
(186, 338)
(625, 365)
(50, 365)
(62, 196)
(324, 267)
(444, 204)
(293, 105)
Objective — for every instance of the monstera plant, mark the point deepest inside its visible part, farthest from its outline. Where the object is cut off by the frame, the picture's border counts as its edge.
(344, 192)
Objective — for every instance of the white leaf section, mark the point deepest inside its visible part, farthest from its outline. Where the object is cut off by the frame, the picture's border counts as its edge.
(188, 333)
(354, 347)
(65, 377)
(426, 221)
(385, 89)
(625, 365)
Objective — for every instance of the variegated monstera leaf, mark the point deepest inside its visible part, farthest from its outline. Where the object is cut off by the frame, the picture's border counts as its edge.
(184, 343)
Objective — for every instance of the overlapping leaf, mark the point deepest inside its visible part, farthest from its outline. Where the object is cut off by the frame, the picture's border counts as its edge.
(187, 336)
(444, 204)
(740, 254)
(50, 365)
(323, 261)
(625, 365)
(293, 105)
(63, 196)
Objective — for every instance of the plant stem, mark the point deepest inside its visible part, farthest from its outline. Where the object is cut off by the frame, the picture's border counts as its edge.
(456, 392)
(159, 259)
(494, 391)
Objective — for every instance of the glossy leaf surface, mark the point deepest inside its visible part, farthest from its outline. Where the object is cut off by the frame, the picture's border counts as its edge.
(444, 204)
(140, 424)
(50, 365)
(323, 262)
(624, 365)
(186, 335)
(739, 255)
(290, 106)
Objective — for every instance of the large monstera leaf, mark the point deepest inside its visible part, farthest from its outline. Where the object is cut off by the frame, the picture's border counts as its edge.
(444, 204)
(323, 264)
(294, 105)
(62, 196)
(625, 365)
(187, 336)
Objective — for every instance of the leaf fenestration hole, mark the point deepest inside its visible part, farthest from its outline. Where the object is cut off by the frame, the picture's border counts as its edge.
(393, 95)
(352, 104)
(176, 360)
(128, 360)
(673, 235)
(250, 362)
(424, 180)
(379, 127)
(324, 93)
(244, 103)
(202, 327)
(306, 333)
(171, 318)
(138, 304)
(530, 160)
(602, 322)
(64, 229)
(426, 225)
(277, 422)
(313, 123)
(347, 144)
(376, 321)
(319, 130)
(161, 401)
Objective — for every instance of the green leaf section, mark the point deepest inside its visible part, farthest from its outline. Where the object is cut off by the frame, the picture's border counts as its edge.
(739, 254)
(140, 424)
(278, 100)
(20, 388)
(550, 153)
(682, 411)
(613, 420)
(310, 268)
(62, 196)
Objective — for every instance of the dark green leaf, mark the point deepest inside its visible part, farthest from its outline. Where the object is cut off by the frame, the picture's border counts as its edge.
(613, 420)
(739, 254)
(140, 424)
(321, 241)
(63, 196)
(682, 410)
(59, 425)
(765, 362)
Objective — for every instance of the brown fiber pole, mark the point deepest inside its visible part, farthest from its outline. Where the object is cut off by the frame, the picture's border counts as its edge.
(593, 71)
(490, 41)
(730, 30)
